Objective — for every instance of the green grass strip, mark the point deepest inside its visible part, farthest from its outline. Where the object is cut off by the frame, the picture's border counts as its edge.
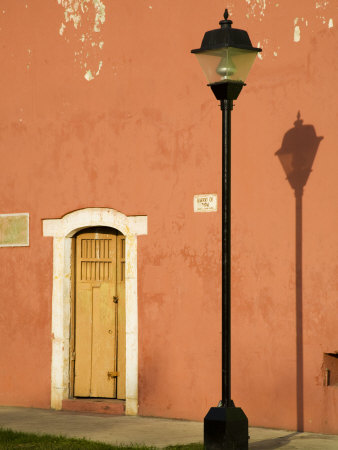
(16, 440)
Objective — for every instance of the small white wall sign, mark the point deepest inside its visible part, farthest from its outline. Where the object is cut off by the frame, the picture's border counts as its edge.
(205, 203)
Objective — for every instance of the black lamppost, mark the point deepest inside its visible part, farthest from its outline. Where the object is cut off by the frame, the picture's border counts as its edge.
(226, 56)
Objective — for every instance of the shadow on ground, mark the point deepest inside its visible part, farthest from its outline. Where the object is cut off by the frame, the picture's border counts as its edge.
(270, 444)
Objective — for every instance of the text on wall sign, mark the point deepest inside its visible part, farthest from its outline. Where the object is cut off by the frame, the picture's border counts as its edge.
(205, 203)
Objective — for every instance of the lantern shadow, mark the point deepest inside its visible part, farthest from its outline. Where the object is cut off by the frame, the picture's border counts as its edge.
(297, 154)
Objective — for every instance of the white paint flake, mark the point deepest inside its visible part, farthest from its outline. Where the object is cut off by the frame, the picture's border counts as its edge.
(263, 45)
(296, 34)
(330, 23)
(87, 18)
(259, 54)
(62, 29)
(100, 65)
(88, 76)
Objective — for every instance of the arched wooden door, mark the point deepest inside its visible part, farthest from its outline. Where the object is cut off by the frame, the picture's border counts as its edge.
(100, 314)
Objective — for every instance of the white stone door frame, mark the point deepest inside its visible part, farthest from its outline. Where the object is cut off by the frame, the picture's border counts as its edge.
(62, 230)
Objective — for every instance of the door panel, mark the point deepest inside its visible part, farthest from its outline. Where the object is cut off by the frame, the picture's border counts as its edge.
(83, 337)
(120, 282)
(98, 316)
(104, 342)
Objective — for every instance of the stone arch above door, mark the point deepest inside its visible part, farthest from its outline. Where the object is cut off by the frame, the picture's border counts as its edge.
(62, 230)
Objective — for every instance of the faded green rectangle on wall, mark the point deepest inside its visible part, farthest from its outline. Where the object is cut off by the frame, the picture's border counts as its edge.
(14, 230)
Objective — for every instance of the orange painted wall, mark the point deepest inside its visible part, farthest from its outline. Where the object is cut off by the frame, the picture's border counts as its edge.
(142, 137)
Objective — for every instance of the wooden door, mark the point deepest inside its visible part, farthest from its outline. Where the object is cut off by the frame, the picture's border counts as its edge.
(100, 314)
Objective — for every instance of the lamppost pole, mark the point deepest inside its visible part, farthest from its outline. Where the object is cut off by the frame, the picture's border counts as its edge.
(226, 56)
(226, 107)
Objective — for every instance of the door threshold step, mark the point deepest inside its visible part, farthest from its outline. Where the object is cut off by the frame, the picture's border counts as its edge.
(95, 405)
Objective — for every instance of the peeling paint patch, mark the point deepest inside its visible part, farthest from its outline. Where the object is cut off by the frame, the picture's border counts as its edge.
(256, 8)
(322, 4)
(263, 46)
(87, 18)
(297, 23)
(296, 34)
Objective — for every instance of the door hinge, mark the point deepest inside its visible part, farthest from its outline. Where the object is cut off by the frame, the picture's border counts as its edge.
(112, 375)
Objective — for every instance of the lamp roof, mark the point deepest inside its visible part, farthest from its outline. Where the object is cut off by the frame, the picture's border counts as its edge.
(226, 37)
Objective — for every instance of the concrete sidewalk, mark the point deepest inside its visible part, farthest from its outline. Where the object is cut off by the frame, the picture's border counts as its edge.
(148, 431)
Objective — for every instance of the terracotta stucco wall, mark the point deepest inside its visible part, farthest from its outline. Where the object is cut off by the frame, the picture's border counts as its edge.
(105, 107)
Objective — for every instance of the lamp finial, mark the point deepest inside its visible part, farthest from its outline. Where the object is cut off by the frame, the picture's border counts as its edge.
(226, 23)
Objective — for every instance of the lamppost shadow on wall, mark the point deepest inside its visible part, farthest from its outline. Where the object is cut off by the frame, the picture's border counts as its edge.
(297, 154)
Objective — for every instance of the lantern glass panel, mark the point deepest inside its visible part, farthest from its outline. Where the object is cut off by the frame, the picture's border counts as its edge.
(226, 63)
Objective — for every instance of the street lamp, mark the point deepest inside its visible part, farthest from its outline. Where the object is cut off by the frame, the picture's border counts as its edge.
(226, 56)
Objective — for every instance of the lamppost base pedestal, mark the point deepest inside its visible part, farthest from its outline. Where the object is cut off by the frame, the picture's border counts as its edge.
(226, 428)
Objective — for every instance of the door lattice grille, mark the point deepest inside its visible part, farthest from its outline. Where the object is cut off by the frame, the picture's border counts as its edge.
(96, 264)
(96, 271)
(96, 248)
